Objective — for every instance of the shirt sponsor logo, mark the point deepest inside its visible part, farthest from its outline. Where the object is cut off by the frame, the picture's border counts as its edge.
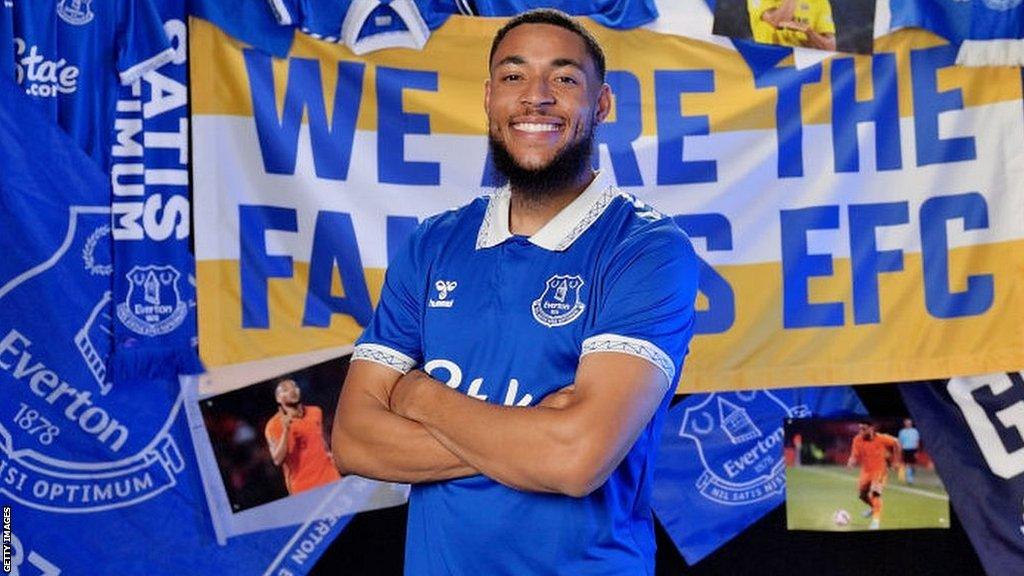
(43, 77)
(443, 289)
(75, 12)
(560, 303)
(1001, 5)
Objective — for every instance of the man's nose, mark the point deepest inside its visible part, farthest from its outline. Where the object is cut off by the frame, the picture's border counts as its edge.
(538, 93)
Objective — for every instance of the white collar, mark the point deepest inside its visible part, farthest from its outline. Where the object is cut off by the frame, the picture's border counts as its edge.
(562, 230)
(358, 13)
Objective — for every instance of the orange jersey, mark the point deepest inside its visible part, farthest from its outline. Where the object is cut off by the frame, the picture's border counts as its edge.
(874, 454)
(307, 464)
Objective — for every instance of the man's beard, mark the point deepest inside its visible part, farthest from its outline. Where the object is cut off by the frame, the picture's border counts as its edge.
(564, 169)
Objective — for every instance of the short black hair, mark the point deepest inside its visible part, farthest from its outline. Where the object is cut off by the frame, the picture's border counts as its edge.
(554, 18)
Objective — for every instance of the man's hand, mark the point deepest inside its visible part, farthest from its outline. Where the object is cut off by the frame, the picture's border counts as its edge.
(401, 399)
(568, 443)
(777, 17)
(371, 440)
(819, 41)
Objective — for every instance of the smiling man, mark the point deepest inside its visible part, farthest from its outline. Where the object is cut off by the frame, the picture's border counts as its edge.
(526, 346)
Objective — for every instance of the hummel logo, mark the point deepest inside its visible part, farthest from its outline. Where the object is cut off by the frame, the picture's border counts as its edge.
(444, 288)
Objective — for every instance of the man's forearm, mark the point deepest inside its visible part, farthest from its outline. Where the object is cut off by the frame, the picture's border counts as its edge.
(279, 451)
(529, 448)
(375, 443)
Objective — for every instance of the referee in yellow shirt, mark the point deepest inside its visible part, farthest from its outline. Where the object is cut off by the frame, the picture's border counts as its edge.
(806, 23)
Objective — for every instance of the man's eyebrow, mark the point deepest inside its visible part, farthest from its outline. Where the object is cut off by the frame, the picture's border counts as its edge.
(557, 62)
(511, 60)
(560, 62)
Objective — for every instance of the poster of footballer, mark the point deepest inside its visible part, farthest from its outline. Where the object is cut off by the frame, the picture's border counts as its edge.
(833, 25)
(865, 474)
(264, 447)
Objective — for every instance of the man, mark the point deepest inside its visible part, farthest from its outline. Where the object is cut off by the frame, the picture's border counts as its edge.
(806, 23)
(296, 440)
(549, 322)
(910, 441)
(875, 452)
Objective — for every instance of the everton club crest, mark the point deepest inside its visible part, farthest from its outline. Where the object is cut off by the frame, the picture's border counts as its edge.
(76, 451)
(739, 438)
(76, 12)
(560, 303)
(153, 305)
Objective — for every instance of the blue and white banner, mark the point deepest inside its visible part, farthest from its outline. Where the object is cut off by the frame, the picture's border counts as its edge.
(974, 430)
(720, 463)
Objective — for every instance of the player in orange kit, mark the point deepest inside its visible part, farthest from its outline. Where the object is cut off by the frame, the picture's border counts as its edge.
(875, 452)
(295, 436)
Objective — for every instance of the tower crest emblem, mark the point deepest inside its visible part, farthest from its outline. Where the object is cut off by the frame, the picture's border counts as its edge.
(560, 303)
(153, 305)
(741, 454)
(75, 12)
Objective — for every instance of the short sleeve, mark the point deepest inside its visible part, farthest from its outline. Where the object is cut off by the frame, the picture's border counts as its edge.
(646, 308)
(316, 414)
(394, 335)
(323, 18)
(272, 431)
(142, 42)
(760, 30)
(825, 24)
(286, 12)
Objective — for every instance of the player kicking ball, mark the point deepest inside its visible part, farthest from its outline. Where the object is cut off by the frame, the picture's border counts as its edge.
(875, 453)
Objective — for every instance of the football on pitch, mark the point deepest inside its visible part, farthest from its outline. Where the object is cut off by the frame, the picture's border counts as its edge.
(840, 517)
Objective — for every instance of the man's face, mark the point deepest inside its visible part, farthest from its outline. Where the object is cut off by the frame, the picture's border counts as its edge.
(288, 393)
(543, 97)
(867, 430)
(908, 423)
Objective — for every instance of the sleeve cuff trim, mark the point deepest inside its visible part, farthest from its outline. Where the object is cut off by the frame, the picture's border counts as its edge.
(384, 356)
(633, 347)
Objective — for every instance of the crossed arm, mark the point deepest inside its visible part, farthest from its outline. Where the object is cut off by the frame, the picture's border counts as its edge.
(279, 447)
(413, 428)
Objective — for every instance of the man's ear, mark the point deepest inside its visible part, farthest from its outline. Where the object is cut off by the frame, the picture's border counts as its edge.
(604, 103)
(487, 97)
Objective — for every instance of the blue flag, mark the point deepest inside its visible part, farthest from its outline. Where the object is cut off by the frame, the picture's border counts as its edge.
(974, 430)
(720, 463)
(98, 474)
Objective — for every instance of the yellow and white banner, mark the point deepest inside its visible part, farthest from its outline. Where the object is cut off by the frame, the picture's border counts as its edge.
(861, 219)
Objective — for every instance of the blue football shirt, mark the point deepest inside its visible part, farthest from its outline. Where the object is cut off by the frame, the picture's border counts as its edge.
(505, 319)
(366, 25)
(71, 56)
(619, 14)
(7, 38)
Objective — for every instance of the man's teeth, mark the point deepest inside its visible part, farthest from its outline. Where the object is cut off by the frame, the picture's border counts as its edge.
(536, 127)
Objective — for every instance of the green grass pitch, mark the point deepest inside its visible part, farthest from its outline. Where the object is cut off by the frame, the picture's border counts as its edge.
(814, 493)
